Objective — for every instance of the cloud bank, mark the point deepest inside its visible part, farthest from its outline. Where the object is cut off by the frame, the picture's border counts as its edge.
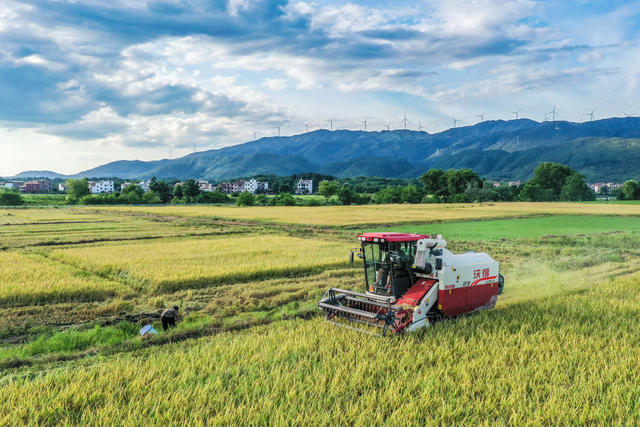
(87, 81)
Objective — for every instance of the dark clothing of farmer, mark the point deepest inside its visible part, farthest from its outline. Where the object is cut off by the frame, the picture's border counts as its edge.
(168, 317)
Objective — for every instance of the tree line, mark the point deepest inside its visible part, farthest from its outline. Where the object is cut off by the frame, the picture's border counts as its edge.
(550, 182)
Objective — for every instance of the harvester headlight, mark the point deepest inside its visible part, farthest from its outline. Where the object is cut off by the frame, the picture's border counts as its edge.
(375, 239)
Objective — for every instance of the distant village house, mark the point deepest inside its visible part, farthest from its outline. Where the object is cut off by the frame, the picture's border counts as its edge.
(42, 186)
(305, 186)
(99, 187)
(251, 185)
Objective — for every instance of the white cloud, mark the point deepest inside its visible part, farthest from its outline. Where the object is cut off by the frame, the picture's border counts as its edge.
(275, 84)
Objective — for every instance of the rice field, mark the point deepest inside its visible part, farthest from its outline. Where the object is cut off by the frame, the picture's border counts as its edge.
(171, 265)
(108, 229)
(342, 216)
(251, 348)
(31, 279)
(568, 360)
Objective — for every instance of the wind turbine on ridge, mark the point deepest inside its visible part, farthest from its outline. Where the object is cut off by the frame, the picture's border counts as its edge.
(591, 114)
(405, 121)
(331, 124)
(516, 113)
(481, 116)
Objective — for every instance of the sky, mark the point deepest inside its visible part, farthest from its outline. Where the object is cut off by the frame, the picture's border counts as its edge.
(86, 82)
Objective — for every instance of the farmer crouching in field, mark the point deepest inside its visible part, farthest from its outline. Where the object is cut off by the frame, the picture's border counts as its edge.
(169, 317)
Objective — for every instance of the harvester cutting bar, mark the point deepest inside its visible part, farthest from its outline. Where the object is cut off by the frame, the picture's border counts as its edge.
(375, 298)
(344, 309)
(362, 308)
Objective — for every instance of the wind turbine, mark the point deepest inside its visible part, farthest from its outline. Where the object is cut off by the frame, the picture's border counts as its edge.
(331, 124)
(405, 121)
(455, 122)
(278, 127)
(307, 125)
(591, 114)
(419, 125)
(254, 135)
(481, 116)
(553, 113)
(516, 113)
(364, 122)
(388, 128)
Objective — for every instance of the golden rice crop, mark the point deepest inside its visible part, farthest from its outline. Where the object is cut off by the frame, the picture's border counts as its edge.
(385, 214)
(45, 215)
(30, 279)
(564, 360)
(176, 264)
(105, 229)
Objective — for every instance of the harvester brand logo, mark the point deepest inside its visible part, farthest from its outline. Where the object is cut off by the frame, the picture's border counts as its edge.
(481, 273)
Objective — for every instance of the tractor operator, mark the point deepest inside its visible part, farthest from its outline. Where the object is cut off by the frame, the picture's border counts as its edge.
(169, 317)
(384, 279)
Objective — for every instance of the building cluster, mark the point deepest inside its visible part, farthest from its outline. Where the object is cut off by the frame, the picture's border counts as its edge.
(604, 187)
(142, 184)
(253, 186)
(498, 183)
(39, 186)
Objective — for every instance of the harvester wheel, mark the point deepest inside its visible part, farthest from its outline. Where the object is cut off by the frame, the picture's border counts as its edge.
(500, 283)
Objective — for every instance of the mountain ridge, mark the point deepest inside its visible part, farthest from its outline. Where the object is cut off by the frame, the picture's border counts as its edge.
(494, 148)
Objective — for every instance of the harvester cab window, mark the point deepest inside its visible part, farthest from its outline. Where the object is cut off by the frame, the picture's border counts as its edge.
(387, 266)
(377, 266)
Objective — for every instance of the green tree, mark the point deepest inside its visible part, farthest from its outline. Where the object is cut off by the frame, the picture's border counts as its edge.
(191, 189)
(328, 188)
(246, 199)
(164, 191)
(575, 188)
(284, 199)
(76, 189)
(133, 189)
(410, 194)
(458, 180)
(388, 195)
(435, 182)
(11, 198)
(151, 197)
(212, 197)
(631, 190)
(178, 193)
(346, 194)
(262, 200)
(552, 176)
(531, 192)
(507, 193)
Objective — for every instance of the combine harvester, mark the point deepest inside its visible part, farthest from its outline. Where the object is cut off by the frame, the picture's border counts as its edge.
(411, 281)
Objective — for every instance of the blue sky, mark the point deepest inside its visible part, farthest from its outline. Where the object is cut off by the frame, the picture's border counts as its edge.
(85, 82)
